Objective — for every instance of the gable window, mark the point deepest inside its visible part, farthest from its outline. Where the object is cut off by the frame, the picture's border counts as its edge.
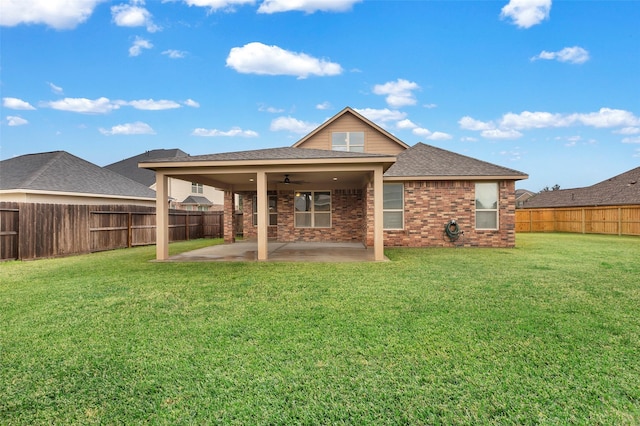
(197, 188)
(312, 209)
(393, 206)
(487, 205)
(347, 141)
(273, 210)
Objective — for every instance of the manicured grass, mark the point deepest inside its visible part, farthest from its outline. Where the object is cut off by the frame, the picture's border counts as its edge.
(547, 333)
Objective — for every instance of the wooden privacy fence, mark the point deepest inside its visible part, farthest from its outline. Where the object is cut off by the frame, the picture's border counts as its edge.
(613, 220)
(32, 231)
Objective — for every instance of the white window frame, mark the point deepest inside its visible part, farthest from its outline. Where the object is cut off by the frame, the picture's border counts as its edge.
(495, 210)
(273, 214)
(197, 188)
(349, 146)
(394, 210)
(312, 212)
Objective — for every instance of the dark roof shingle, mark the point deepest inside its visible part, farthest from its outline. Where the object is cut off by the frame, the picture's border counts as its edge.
(286, 153)
(623, 189)
(426, 160)
(60, 171)
(129, 166)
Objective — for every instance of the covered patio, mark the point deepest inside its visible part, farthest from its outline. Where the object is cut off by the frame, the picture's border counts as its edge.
(247, 251)
(286, 172)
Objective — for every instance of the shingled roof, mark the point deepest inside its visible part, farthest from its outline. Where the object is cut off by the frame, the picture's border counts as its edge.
(422, 160)
(129, 166)
(623, 189)
(59, 171)
(286, 153)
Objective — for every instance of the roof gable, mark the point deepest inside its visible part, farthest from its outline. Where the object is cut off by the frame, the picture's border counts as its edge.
(60, 171)
(426, 161)
(129, 166)
(383, 142)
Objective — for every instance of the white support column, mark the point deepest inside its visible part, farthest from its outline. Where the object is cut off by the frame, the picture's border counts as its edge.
(378, 234)
(263, 207)
(162, 217)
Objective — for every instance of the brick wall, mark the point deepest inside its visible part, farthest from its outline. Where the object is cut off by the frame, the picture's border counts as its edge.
(429, 205)
(347, 219)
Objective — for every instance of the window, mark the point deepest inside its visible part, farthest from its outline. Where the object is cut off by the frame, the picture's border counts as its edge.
(273, 210)
(347, 141)
(393, 206)
(197, 188)
(312, 209)
(486, 206)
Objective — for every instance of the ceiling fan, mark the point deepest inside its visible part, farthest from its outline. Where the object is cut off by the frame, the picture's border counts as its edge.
(288, 181)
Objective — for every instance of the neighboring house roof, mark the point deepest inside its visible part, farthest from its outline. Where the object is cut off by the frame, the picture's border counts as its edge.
(349, 110)
(194, 199)
(623, 189)
(60, 171)
(423, 160)
(129, 166)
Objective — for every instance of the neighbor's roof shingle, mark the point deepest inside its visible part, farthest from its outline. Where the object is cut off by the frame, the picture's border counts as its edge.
(429, 161)
(129, 166)
(196, 199)
(60, 171)
(623, 189)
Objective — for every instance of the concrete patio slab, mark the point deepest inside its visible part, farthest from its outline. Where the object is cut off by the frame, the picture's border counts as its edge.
(247, 251)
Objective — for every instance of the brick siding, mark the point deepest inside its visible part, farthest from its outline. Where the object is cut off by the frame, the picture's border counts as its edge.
(428, 206)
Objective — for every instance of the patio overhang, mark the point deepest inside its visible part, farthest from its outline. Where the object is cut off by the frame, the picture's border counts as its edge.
(278, 169)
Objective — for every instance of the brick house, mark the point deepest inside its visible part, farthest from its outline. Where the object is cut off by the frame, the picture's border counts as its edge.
(351, 180)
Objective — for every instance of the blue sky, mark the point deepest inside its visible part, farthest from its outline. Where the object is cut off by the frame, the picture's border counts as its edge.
(551, 89)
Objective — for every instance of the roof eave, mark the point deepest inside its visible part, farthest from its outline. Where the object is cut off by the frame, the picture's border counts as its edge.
(458, 177)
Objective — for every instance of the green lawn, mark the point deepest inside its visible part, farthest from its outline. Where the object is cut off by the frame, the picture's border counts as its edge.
(547, 333)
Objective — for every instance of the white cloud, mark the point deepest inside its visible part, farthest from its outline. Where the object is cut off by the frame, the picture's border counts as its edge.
(307, 6)
(469, 123)
(501, 134)
(138, 44)
(269, 109)
(324, 106)
(258, 58)
(635, 139)
(382, 115)
(175, 54)
(15, 103)
(215, 5)
(291, 124)
(406, 124)
(234, 132)
(572, 55)
(132, 15)
(399, 93)
(137, 128)
(58, 14)
(468, 139)
(531, 120)
(56, 89)
(421, 131)
(13, 120)
(439, 136)
(86, 106)
(603, 118)
(526, 13)
(628, 131)
(152, 105)
(191, 103)
(607, 117)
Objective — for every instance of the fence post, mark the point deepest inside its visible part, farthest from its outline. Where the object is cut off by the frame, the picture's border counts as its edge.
(583, 225)
(129, 230)
(186, 226)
